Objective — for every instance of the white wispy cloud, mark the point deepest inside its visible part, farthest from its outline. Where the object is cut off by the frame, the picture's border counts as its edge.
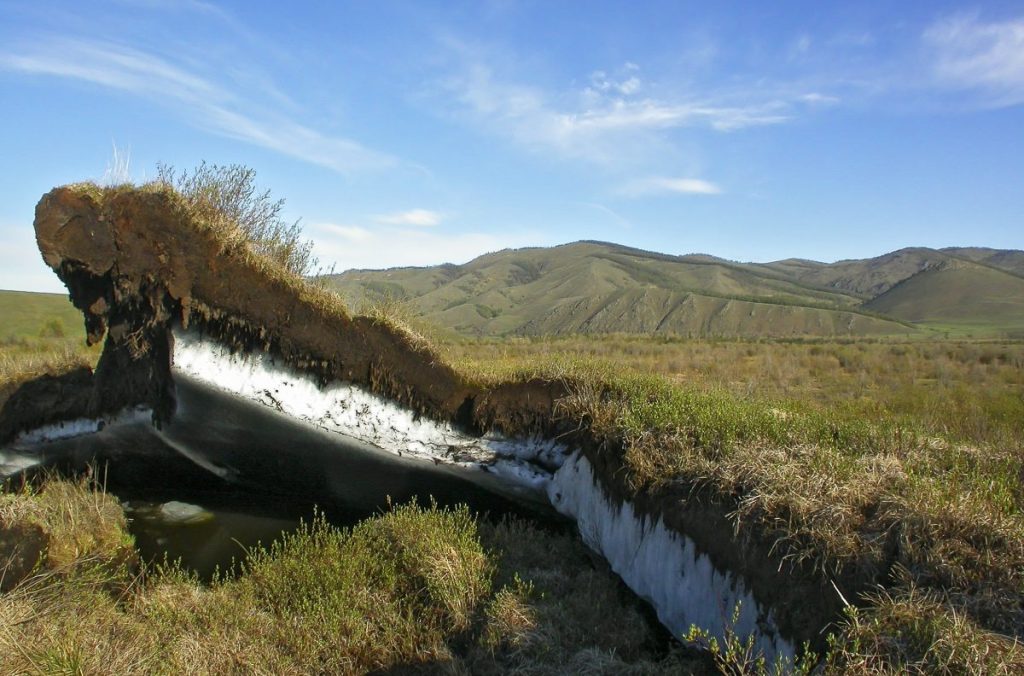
(358, 247)
(626, 84)
(818, 99)
(420, 217)
(662, 185)
(596, 122)
(348, 233)
(206, 103)
(801, 46)
(968, 53)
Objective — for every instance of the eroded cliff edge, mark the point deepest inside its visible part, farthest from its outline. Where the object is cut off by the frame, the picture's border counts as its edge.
(142, 271)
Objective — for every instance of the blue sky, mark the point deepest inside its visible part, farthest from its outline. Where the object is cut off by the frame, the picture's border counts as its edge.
(419, 133)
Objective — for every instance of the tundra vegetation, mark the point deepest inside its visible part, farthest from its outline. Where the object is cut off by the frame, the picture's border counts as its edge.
(427, 587)
(849, 453)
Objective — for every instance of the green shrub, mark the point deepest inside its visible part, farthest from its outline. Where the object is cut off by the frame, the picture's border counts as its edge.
(227, 199)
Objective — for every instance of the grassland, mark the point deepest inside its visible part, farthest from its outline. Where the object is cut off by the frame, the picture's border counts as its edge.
(966, 391)
(925, 436)
(838, 448)
(29, 317)
(903, 465)
(41, 333)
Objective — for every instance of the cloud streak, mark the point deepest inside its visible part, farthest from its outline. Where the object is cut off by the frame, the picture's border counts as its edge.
(598, 121)
(664, 185)
(971, 54)
(418, 217)
(206, 103)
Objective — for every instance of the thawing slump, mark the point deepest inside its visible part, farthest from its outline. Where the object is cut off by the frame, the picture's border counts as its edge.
(663, 567)
(246, 418)
(209, 355)
(520, 467)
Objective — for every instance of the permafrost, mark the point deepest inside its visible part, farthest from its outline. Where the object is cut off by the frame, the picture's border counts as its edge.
(80, 426)
(356, 413)
(136, 264)
(21, 455)
(659, 565)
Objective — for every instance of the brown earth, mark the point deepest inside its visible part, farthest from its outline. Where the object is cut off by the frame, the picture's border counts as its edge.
(22, 548)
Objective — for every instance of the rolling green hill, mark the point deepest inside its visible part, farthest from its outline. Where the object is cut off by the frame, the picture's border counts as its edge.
(25, 315)
(958, 296)
(596, 287)
(865, 279)
(1007, 260)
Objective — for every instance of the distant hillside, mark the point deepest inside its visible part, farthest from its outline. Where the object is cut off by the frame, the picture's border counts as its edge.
(24, 314)
(1008, 260)
(866, 278)
(957, 295)
(596, 287)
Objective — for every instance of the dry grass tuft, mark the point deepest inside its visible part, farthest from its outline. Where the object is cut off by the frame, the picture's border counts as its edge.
(560, 610)
(918, 632)
(398, 318)
(58, 526)
(227, 201)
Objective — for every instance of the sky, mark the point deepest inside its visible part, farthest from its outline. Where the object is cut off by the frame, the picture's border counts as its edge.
(416, 133)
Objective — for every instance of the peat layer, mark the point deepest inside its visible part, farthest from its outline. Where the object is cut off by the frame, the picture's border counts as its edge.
(136, 264)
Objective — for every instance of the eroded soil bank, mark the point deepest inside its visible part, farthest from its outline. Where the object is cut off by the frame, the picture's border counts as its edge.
(177, 305)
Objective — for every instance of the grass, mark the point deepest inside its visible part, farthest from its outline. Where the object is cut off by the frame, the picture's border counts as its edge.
(425, 588)
(916, 633)
(838, 449)
(968, 391)
(58, 527)
(841, 450)
(32, 317)
(44, 336)
(228, 199)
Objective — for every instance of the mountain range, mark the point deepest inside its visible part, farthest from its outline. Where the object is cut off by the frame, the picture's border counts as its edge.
(598, 287)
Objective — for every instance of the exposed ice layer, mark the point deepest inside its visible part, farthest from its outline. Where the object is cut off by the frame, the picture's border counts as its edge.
(357, 413)
(662, 566)
(79, 426)
(12, 463)
(64, 429)
(22, 453)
